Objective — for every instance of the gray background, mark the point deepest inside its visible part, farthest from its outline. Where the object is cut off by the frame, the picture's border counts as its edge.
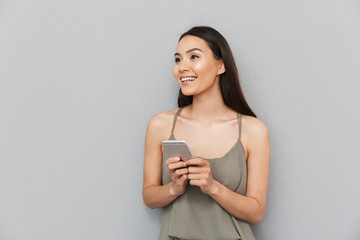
(79, 81)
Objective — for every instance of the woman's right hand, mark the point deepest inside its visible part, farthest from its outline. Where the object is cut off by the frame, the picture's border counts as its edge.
(178, 172)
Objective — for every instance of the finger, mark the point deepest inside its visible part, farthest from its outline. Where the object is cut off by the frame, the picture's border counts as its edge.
(172, 160)
(196, 182)
(184, 177)
(194, 176)
(197, 169)
(181, 171)
(197, 162)
(179, 180)
(177, 165)
(178, 173)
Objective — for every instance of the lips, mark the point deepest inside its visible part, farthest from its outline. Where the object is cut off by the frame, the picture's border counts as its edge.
(188, 79)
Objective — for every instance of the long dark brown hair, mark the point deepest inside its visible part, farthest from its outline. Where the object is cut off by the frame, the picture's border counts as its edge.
(229, 81)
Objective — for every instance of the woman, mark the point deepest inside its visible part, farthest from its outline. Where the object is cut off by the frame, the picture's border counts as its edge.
(217, 194)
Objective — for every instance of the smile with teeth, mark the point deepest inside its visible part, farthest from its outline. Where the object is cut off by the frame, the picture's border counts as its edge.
(188, 79)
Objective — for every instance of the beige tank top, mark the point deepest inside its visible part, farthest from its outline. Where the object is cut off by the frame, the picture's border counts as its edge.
(195, 215)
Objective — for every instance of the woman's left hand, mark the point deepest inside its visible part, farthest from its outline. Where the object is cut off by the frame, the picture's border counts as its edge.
(199, 174)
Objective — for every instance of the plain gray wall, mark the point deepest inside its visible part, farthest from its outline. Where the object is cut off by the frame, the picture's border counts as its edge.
(79, 81)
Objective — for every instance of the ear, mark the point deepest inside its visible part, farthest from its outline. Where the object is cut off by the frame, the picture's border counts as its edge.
(221, 68)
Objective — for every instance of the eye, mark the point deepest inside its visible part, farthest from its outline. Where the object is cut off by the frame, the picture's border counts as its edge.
(177, 60)
(194, 56)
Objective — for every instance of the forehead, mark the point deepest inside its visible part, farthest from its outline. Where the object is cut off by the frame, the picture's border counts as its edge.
(190, 42)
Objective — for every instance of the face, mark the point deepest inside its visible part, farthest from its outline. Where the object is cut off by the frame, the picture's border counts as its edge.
(196, 69)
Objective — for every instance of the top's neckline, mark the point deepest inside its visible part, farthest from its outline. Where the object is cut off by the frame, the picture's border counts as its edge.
(238, 115)
(172, 137)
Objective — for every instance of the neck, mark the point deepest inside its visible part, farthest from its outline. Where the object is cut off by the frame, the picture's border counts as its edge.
(209, 105)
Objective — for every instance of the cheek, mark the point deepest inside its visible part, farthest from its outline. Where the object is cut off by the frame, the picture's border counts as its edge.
(199, 66)
(175, 71)
(204, 67)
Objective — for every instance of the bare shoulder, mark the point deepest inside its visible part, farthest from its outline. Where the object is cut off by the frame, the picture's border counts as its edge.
(255, 137)
(161, 123)
(162, 119)
(254, 128)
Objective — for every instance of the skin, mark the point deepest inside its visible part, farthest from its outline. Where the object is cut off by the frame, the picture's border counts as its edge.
(208, 127)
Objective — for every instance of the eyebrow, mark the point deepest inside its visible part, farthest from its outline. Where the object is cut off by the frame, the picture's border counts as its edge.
(190, 50)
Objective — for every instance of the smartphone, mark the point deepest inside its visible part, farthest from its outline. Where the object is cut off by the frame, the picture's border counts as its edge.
(177, 148)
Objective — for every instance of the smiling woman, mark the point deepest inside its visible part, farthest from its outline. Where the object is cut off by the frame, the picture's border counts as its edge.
(217, 195)
(196, 67)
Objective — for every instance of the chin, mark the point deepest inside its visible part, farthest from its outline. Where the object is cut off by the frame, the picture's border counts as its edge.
(187, 93)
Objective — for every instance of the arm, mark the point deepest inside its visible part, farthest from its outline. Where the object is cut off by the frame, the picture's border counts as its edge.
(156, 195)
(250, 207)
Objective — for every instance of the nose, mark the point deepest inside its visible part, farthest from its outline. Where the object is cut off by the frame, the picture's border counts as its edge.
(184, 66)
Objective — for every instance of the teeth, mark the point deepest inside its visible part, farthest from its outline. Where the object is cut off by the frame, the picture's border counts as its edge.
(187, 79)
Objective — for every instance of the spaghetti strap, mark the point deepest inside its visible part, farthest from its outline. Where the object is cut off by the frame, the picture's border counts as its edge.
(239, 118)
(174, 121)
